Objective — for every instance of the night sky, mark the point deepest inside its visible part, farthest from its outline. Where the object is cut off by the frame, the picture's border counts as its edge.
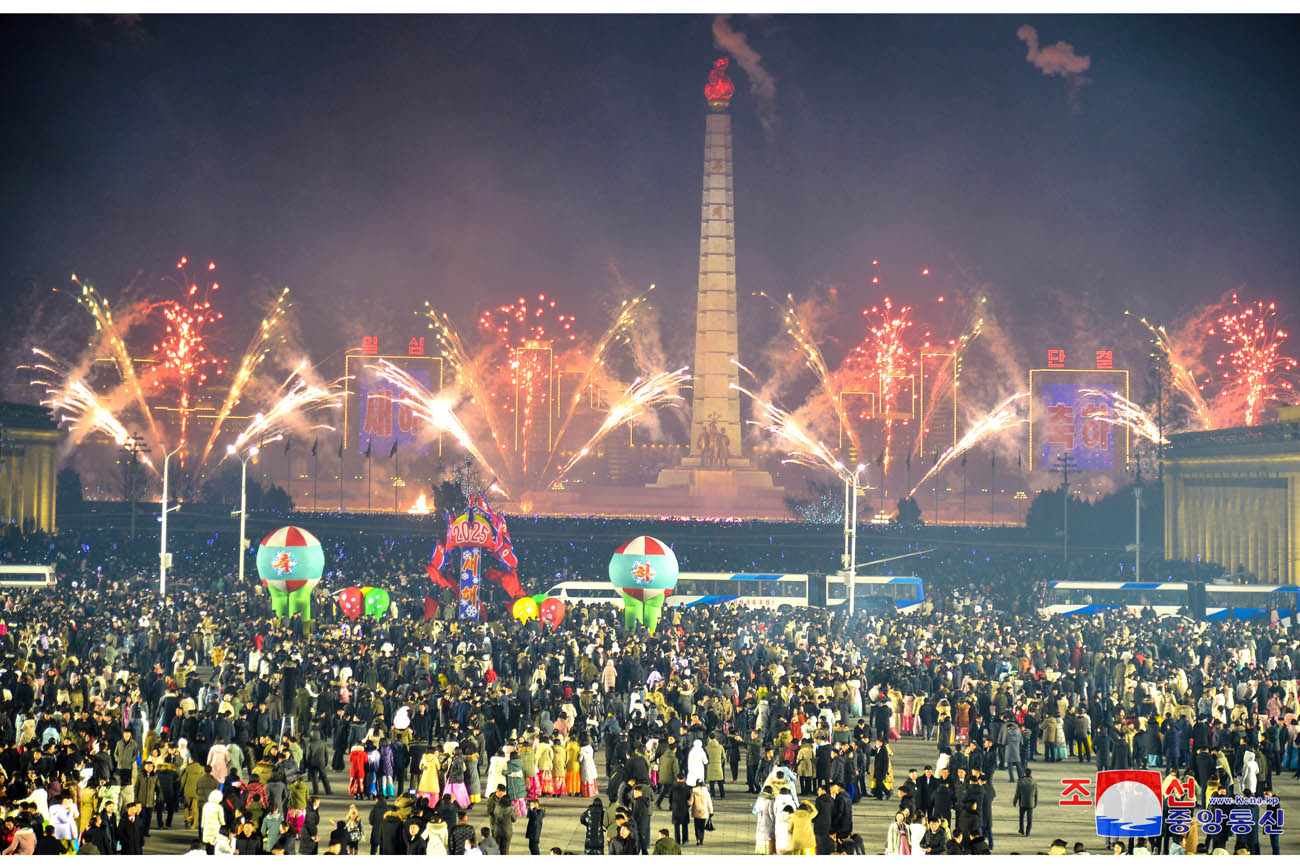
(374, 163)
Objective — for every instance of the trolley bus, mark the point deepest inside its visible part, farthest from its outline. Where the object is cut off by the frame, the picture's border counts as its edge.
(1240, 600)
(874, 593)
(26, 576)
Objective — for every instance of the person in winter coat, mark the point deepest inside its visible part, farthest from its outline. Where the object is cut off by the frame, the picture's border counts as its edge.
(765, 827)
(435, 837)
(668, 769)
(696, 764)
(501, 818)
(63, 818)
(623, 843)
(713, 772)
(357, 771)
(1248, 779)
(587, 770)
(211, 820)
(533, 832)
(701, 809)
(392, 834)
(593, 818)
(1026, 797)
(896, 837)
(803, 838)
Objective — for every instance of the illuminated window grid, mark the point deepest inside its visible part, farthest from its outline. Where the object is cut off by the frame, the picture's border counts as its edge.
(870, 397)
(1033, 398)
(951, 357)
(596, 399)
(353, 395)
(538, 346)
(900, 415)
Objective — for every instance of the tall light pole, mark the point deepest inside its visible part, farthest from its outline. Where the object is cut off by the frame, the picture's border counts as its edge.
(243, 502)
(844, 557)
(164, 561)
(1137, 515)
(134, 447)
(850, 527)
(1065, 464)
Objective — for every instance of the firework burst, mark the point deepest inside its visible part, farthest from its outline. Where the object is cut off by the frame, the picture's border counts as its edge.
(811, 355)
(184, 359)
(98, 309)
(885, 357)
(1180, 363)
(1254, 370)
(295, 399)
(78, 406)
(248, 364)
(1003, 417)
(1123, 412)
(439, 411)
(657, 390)
(801, 447)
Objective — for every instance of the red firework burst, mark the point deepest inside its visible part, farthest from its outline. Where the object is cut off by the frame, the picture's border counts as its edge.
(529, 337)
(1254, 372)
(184, 359)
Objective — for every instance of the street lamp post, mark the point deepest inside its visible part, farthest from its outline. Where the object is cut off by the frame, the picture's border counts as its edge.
(133, 448)
(1065, 464)
(844, 557)
(163, 559)
(851, 527)
(243, 502)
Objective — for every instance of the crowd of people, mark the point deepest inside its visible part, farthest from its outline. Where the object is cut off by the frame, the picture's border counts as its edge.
(125, 713)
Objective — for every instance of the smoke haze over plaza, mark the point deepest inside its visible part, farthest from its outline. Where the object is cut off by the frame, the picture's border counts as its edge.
(374, 163)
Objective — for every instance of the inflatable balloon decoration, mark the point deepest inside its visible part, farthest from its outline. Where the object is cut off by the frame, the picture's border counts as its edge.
(478, 545)
(290, 563)
(525, 609)
(351, 602)
(368, 600)
(551, 612)
(376, 602)
(644, 571)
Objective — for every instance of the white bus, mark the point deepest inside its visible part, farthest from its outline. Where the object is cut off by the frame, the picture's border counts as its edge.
(26, 576)
(875, 593)
(1243, 600)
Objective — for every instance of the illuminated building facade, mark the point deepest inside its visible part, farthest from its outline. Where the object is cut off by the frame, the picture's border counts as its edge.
(1232, 498)
(29, 441)
(938, 428)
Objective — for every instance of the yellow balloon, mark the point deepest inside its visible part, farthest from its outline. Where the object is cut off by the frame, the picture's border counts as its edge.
(365, 589)
(525, 609)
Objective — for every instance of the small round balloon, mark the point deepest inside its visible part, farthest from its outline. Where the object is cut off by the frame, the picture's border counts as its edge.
(539, 598)
(350, 602)
(377, 603)
(525, 609)
(552, 612)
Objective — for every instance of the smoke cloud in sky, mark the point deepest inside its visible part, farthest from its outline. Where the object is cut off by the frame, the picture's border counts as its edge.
(1059, 60)
(762, 86)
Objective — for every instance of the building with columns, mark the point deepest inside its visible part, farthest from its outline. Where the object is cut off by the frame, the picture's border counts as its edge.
(29, 442)
(1232, 498)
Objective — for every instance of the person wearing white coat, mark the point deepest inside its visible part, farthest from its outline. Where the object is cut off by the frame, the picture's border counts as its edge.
(211, 819)
(765, 827)
(696, 762)
(1248, 781)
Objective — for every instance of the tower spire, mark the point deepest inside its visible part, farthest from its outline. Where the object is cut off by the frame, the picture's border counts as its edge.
(719, 89)
(714, 401)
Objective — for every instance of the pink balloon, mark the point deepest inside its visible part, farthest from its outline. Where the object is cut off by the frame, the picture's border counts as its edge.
(351, 602)
(552, 612)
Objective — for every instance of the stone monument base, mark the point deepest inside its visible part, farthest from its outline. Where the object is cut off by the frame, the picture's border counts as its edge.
(738, 490)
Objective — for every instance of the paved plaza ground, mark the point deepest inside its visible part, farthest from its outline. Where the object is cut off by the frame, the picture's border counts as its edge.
(734, 823)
